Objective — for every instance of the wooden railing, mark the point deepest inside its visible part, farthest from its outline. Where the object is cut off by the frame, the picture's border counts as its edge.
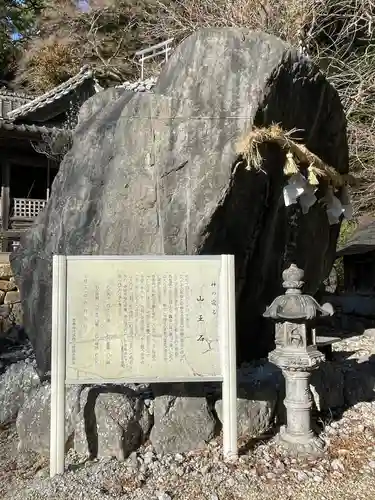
(163, 48)
(27, 209)
(22, 216)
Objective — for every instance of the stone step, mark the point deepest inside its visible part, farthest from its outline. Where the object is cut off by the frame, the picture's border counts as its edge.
(4, 257)
(322, 340)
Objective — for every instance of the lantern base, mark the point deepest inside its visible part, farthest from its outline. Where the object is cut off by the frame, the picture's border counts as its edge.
(309, 444)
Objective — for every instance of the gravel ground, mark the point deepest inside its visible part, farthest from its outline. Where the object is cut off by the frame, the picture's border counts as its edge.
(263, 471)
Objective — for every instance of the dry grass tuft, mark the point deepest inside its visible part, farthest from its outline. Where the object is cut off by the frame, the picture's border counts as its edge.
(353, 450)
(49, 63)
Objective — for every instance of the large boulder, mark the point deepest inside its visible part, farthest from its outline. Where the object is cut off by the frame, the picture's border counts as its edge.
(112, 422)
(258, 396)
(183, 420)
(15, 384)
(34, 418)
(159, 174)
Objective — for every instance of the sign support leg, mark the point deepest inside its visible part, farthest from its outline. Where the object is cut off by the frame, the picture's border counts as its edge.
(58, 353)
(229, 362)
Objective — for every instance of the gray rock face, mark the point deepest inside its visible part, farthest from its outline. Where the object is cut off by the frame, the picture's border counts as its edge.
(369, 333)
(33, 421)
(253, 415)
(17, 381)
(258, 395)
(113, 422)
(182, 421)
(154, 174)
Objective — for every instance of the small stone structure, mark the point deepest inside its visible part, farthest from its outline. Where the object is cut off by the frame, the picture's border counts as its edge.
(297, 355)
(10, 303)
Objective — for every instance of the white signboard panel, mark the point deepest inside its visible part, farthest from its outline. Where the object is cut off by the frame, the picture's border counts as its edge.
(142, 319)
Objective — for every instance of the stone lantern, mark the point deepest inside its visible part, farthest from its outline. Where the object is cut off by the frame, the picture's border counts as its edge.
(296, 354)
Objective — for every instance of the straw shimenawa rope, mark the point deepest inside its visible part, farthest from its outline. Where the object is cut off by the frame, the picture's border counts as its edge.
(296, 154)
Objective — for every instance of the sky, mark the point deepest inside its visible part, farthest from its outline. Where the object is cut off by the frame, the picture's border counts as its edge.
(83, 5)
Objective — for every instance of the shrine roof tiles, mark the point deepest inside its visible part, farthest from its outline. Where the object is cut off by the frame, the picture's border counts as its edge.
(139, 86)
(9, 101)
(28, 128)
(52, 95)
(362, 241)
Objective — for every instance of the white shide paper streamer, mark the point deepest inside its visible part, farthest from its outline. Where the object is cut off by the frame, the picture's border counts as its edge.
(299, 190)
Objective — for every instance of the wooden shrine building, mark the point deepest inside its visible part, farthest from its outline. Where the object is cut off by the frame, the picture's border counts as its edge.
(357, 298)
(358, 255)
(27, 125)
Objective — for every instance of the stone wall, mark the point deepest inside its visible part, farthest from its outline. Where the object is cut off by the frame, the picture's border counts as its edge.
(114, 420)
(10, 303)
